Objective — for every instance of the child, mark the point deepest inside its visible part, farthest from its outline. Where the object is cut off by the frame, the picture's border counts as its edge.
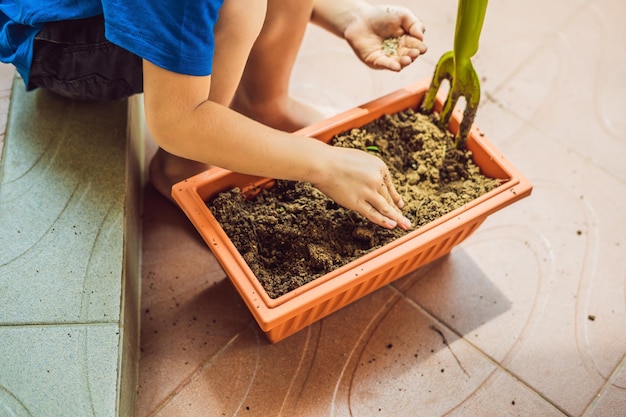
(215, 77)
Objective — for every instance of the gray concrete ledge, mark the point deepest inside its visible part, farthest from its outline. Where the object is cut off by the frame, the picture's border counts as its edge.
(70, 256)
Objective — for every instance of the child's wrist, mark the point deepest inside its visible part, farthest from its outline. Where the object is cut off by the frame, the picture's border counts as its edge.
(352, 18)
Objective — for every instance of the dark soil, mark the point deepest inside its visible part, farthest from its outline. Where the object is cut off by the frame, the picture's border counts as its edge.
(292, 234)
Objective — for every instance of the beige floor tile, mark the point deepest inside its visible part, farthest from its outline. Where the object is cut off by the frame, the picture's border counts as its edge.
(380, 355)
(514, 32)
(573, 88)
(189, 311)
(579, 213)
(502, 395)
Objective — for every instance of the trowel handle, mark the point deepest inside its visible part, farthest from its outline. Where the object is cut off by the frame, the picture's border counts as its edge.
(469, 23)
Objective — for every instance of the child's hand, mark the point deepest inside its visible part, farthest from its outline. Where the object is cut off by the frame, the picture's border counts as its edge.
(368, 31)
(361, 182)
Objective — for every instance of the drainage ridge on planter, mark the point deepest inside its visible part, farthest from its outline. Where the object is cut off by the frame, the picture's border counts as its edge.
(303, 306)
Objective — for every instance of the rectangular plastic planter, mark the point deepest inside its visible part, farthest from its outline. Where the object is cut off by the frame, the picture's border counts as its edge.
(297, 309)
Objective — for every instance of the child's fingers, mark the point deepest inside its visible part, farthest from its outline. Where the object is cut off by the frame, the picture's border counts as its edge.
(410, 43)
(417, 29)
(382, 203)
(382, 61)
(391, 191)
(385, 213)
(393, 63)
(402, 57)
(389, 202)
(412, 24)
(378, 59)
(375, 216)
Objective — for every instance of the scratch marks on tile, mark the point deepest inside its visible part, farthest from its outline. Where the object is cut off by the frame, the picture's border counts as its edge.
(445, 342)
(610, 75)
(11, 405)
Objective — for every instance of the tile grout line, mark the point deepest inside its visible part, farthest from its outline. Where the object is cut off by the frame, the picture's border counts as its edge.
(484, 354)
(57, 324)
(609, 382)
(193, 375)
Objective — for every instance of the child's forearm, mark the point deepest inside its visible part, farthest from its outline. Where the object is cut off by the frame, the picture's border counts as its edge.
(185, 123)
(217, 135)
(335, 15)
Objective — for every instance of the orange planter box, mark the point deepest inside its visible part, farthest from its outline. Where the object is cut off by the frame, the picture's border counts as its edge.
(299, 308)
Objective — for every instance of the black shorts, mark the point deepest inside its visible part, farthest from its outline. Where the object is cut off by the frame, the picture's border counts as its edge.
(73, 58)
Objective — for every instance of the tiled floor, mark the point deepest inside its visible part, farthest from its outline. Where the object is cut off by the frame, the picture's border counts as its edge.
(525, 318)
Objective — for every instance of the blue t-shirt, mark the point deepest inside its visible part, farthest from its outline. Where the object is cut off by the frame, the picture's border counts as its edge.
(174, 34)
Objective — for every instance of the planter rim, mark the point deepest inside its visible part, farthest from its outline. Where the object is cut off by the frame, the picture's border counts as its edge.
(269, 312)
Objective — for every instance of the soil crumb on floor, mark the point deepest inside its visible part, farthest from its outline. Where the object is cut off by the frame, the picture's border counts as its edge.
(292, 233)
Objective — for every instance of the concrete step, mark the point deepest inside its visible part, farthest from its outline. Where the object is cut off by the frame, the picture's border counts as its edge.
(70, 256)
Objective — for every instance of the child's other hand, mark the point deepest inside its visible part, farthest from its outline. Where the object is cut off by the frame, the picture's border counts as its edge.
(369, 28)
(362, 182)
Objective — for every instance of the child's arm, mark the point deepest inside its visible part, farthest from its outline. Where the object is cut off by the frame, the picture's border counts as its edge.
(185, 123)
(365, 27)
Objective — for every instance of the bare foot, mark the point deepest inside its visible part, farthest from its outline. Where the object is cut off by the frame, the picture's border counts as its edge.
(167, 169)
(288, 115)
